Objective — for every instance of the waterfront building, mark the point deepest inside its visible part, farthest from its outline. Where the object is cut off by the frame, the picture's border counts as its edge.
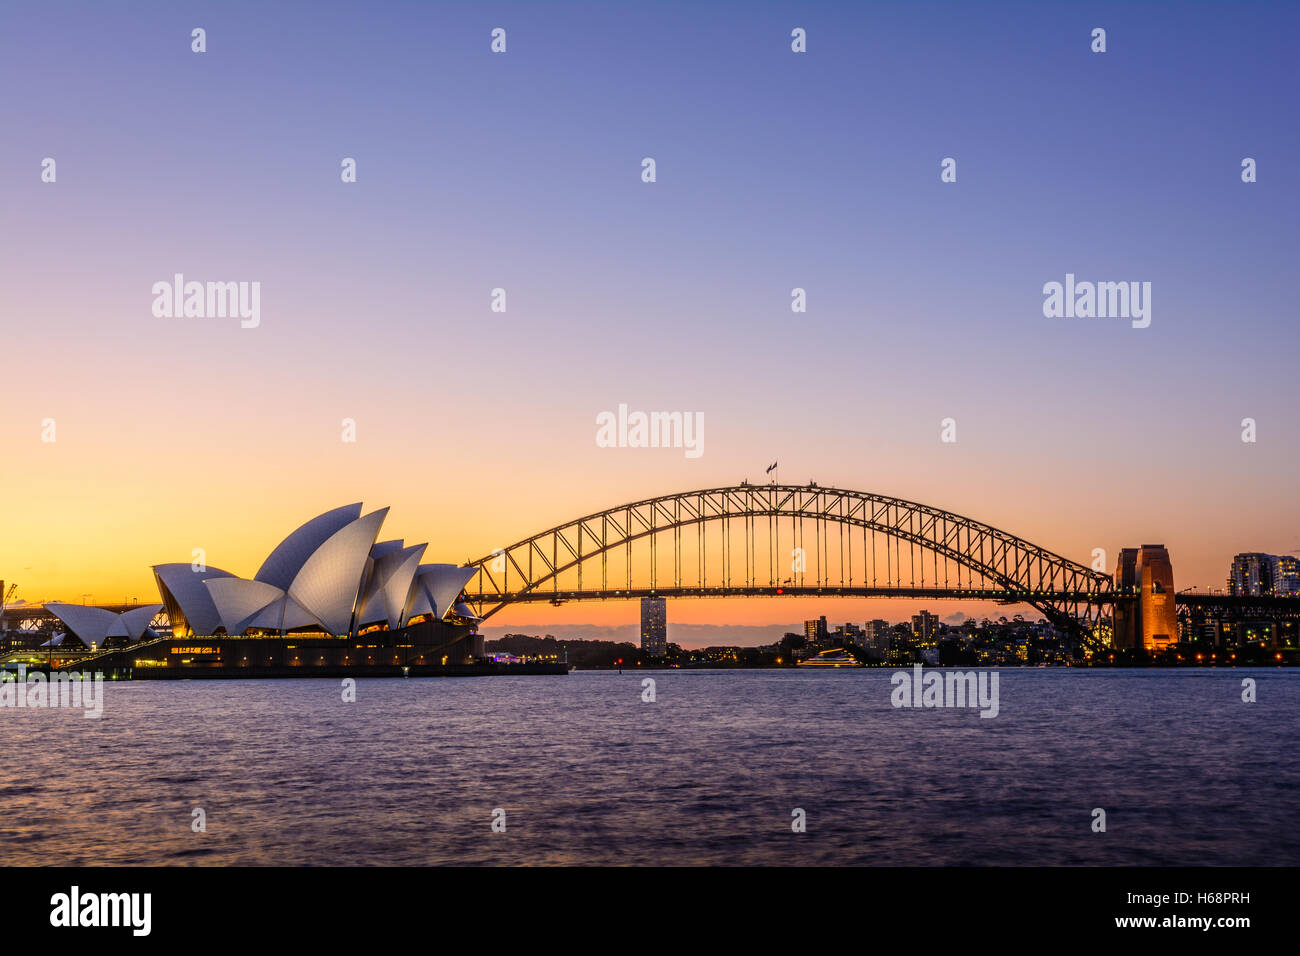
(815, 632)
(97, 627)
(1286, 575)
(654, 626)
(925, 626)
(1252, 574)
(329, 598)
(877, 636)
(330, 575)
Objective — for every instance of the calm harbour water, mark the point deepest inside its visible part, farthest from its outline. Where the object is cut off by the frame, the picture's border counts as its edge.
(288, 773)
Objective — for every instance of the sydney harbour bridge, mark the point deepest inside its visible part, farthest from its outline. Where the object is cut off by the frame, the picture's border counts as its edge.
(768, 540)
(797, 540)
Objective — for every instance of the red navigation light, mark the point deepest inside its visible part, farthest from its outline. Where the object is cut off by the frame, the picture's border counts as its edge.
(780, 590)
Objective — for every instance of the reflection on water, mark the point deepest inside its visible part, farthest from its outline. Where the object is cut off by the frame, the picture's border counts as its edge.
(287, 773)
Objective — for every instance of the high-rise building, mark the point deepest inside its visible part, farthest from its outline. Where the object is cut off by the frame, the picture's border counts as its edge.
(877, 636)
(850, 633)
(1286, 575)
(925, 626)
(654, 626)
(815, 631)
(1252, 574)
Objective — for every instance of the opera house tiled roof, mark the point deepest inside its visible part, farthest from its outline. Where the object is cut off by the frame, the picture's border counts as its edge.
(96, 626)
(330, 575)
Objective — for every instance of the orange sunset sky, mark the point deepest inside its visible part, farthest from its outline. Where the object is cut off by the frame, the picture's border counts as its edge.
(775, 172)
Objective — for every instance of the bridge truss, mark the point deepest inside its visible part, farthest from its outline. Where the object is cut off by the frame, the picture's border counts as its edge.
(785, 540)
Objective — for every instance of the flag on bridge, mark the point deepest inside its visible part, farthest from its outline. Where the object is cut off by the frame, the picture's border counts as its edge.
(771, 468)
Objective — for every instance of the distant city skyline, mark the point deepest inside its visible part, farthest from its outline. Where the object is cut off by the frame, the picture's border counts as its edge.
(695, 636)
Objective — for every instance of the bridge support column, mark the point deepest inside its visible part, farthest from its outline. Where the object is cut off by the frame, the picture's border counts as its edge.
(1149, 622)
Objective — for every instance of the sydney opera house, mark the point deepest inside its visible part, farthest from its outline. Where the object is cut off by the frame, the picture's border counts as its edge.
(329, 596)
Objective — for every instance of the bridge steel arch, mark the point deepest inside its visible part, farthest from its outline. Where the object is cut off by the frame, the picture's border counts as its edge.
(571, 561)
